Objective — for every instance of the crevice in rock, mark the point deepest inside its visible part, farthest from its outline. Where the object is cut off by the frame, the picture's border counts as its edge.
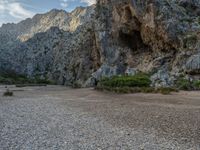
(132, 40)
(127, 13)
(130, 31)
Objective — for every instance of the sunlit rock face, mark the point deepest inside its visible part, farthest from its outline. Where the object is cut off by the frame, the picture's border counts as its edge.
(115, 37)
(43, 22)
(150, 36)
(57, 45)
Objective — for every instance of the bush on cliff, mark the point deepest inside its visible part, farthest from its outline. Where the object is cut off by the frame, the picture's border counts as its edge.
(13, 78)
(187, 85)
(139, 80)
(131, 84)
(196, 84)
(184, 84)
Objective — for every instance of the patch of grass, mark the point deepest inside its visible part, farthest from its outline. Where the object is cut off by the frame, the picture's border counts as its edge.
(8, 93)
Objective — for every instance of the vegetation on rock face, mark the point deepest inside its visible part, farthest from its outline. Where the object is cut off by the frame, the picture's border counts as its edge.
(139, 80)
(139, 83)
(196, 84)
(13, 78)
(185, 84)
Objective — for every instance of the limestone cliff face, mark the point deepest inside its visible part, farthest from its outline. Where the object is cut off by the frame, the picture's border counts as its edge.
(56, 45)
(161, 37)
(157, 36)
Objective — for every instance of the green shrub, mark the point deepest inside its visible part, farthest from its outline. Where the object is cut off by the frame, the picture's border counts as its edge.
(42, 81)
(4, 80)
(196, 84)
(13, 78)
(139, 80)
(8, 93)
(184, 84)
(131, 84)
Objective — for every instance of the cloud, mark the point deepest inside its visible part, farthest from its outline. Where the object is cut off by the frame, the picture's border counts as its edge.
(14, 9)
(65, 3)
(89, 2)
(17, 10)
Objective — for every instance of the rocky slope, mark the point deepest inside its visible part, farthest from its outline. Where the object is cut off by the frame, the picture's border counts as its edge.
(161, 37)
(56, 45)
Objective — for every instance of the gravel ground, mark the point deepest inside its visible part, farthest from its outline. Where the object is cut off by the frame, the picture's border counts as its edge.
(56, 118)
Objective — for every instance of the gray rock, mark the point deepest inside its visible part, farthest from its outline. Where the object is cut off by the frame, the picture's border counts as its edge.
(55, 45)
(162, 79)
(131, 71)
(193, 64)
(105, 71)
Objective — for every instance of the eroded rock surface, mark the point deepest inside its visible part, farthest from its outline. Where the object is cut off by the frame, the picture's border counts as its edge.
(56, 45)
(158, 36)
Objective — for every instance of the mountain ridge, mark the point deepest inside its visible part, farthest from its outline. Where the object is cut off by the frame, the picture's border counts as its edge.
(42, 22)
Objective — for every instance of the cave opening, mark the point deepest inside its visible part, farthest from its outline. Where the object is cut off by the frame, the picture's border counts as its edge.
(133, 40)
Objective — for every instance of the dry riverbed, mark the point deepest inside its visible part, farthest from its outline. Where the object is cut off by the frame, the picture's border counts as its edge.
(56, 117)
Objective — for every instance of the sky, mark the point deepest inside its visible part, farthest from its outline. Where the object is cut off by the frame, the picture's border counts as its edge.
(13, 11)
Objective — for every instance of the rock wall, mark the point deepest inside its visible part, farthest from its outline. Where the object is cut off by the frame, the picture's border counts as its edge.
(57, 45)
(161, 37)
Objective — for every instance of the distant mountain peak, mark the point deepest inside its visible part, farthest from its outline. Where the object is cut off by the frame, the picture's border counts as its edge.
(56, 11)
(43, 22)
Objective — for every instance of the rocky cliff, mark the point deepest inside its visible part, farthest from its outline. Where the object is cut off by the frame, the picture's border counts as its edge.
(161, 37)
(57, 45)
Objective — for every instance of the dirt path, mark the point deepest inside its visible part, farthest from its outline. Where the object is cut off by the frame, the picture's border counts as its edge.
(55, 117)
